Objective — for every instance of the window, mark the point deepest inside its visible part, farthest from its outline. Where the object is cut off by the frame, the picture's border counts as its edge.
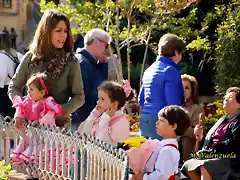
(7, 3)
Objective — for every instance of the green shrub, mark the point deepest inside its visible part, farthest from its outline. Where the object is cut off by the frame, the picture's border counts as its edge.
(227, 54)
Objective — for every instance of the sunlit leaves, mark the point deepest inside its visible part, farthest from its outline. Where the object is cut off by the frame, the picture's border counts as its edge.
(4, 170)
(227, 56)
(199, 44)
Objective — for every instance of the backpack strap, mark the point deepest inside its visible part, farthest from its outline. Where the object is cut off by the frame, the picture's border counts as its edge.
(13, 58)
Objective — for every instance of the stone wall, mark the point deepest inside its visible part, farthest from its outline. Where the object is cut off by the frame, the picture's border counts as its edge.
(16, 16)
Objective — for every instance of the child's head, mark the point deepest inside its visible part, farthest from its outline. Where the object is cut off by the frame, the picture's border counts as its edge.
(112, 94)
(172, 121)
(37, 88)
(172, 46)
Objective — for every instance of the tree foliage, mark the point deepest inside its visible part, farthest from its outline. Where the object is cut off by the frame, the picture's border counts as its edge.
(141, 17)
(227, 55)
(132, 22)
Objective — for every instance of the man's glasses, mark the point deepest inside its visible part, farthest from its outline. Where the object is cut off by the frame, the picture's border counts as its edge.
(106, 44)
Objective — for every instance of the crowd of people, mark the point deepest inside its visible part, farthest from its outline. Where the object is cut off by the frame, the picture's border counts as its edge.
(52, 84)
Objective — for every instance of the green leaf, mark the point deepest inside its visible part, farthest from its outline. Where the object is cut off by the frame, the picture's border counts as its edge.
(2, 163)
(8, 167)
(199, 44)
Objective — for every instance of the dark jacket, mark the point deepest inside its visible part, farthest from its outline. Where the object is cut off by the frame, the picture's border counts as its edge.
(230, 143)
(93, 74)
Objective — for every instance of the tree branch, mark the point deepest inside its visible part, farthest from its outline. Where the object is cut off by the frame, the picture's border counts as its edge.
(131, 39)
(145, 56)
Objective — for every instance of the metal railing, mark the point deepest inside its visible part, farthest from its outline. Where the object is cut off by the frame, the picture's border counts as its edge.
(56, 154)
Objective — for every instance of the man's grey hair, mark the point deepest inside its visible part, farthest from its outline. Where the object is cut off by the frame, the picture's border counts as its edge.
(95, 34)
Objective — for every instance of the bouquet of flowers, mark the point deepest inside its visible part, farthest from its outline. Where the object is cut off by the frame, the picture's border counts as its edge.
(139, 150)
(213, 112)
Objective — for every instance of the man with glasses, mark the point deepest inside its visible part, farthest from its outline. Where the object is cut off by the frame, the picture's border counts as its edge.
(93, 60)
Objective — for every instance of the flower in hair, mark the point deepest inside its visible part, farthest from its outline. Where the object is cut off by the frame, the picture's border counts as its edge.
(127, 88)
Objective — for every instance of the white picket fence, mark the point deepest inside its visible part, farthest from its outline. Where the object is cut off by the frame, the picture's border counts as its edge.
(56, 154)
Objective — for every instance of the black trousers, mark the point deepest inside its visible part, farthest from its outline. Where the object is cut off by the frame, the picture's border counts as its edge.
(6, 108)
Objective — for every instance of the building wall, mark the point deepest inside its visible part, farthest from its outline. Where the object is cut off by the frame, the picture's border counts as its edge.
(16, 16)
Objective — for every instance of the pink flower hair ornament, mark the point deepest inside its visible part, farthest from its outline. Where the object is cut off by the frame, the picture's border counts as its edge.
(127, 88)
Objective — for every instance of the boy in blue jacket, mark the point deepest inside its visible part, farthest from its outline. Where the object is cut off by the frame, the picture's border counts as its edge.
(161, 84)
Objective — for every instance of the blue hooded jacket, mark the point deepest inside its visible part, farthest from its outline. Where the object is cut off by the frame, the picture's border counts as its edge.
(161, 86)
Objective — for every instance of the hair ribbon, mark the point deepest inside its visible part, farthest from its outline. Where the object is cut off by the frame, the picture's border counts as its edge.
(42, 83)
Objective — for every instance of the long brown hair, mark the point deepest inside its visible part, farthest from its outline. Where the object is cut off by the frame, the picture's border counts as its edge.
(41, 45)
(194, 86)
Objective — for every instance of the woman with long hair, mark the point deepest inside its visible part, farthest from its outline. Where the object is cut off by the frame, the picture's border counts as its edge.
(51, 51)
(190, 87)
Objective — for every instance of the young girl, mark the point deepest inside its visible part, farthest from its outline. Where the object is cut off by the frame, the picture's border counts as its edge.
(36, 107)
(107, 121)
(172, 121)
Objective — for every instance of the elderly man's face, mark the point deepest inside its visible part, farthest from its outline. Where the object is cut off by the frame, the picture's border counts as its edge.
(230, 103)
(102, 49)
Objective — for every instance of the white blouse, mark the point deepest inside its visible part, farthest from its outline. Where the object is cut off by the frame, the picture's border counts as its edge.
(7, 67)
(164, 162)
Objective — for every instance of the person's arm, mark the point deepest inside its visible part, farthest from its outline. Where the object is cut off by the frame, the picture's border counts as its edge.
(18, 105)
(141, 96)
(86, 126)
(3, 71)
(76, 86)
(173, 88)
(48, 118)
(19, 79)
(163, 165)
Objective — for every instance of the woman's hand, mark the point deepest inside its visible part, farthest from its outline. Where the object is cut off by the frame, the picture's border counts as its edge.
(19, 122)
(137, 177)
(198, 131)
